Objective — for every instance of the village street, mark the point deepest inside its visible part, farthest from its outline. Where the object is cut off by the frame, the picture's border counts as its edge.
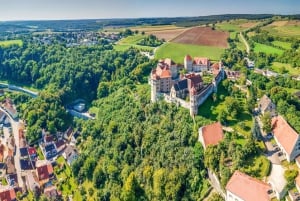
(15, 130)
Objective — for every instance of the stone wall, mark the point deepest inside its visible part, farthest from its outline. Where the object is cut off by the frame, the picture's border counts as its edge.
(177, 101)
(203, 95)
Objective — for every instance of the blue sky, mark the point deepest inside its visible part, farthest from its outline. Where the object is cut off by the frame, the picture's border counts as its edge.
(92, 9)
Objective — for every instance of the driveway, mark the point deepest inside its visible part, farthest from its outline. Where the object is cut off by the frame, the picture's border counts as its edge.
(271, 153)
(276, 179)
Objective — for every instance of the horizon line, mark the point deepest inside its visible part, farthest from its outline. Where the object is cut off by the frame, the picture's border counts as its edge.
(159, 17)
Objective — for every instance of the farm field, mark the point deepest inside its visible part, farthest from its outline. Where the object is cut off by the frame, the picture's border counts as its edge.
(284, 28)
(285, 45)
(167, 35)
(203, 36)
(177, 51)
(11, 42)
(279, 67)
(267, 49)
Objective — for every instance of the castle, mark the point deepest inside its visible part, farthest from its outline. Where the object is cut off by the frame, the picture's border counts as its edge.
(185, 89)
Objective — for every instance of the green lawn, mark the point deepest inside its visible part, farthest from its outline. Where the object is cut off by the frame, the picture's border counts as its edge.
(177, 51)
(282, 68)
(11, 42)
(210, 109)
(123, 47)
(131, 41)
(267, 49)
(285, 45)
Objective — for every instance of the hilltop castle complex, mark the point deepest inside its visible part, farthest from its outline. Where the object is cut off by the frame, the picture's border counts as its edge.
(186, 89)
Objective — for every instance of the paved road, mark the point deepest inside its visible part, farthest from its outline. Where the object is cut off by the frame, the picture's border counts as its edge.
(17, 88)
(245, 42)
(15, 129)
(271, 154)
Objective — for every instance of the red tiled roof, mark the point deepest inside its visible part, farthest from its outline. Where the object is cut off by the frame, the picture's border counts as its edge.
(7, 194)
(202, 61)
(165, 74)
(212, 134)
(44, 172)
(188, 58)
(31, 150)
(284, 133)
(248, 188)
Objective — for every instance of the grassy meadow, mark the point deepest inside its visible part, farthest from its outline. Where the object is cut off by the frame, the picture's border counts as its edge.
(285, 68)
(131, 41)
(267, 49)
(177, 51)
(284, 28)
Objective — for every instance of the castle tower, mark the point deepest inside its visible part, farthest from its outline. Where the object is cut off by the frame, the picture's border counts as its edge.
(188, 63)
(193, 102)
(215, 85)
(153, 88)
(221, 67)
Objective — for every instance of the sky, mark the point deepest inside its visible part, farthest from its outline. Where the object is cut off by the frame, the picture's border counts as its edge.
(99, 9)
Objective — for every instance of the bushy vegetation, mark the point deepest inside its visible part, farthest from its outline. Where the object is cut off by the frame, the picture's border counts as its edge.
(147, 153)
(151, 41)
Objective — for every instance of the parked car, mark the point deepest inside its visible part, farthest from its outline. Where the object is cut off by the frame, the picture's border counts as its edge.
(276, 149)
(280, 153)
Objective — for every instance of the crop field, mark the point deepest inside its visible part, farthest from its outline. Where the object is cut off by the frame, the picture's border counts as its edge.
(284, 28)
(267, 49)
(203, 36)
(11, 42)
(167, 35)
(177, 51)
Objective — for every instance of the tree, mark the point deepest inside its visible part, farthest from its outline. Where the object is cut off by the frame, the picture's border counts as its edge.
(255, 130)
(266, 120)
(216, 197)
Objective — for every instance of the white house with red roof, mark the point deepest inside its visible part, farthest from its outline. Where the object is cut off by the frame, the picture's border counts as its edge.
(210, 134)
(242, 187)
(286, 137)
(197, 64)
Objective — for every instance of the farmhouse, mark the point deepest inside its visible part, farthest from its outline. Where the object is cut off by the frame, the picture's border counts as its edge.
(242, 187)
(265, 104)
(166, 82)
(286, 137)
(211, 134)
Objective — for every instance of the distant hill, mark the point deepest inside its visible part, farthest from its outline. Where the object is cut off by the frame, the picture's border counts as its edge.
(96, 24)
